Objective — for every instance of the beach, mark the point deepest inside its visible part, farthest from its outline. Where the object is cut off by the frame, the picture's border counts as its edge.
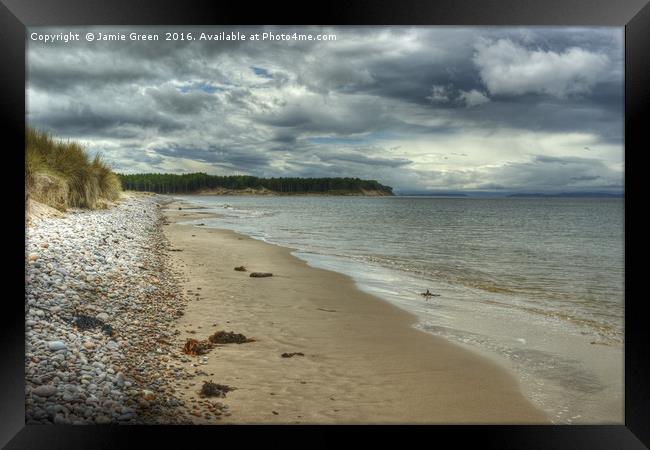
(359, 358)
(114, 295)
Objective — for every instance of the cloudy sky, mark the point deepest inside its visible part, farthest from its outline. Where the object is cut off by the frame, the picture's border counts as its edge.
(416, 108)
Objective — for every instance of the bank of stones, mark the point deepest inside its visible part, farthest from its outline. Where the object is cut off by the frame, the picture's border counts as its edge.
(100, 301)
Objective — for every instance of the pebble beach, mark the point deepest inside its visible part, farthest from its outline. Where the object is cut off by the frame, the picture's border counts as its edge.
(99, 302)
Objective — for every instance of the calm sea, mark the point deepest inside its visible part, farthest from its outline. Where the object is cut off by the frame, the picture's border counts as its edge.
(534, 284)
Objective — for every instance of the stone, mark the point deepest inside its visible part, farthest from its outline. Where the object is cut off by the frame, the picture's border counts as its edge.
(102, 420)
(46, 390)
(127, 416)
(56, 345)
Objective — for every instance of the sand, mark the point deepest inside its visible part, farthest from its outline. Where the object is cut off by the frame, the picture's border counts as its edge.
(363, 361)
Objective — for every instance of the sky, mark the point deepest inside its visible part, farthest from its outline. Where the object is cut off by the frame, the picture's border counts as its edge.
(535, 109)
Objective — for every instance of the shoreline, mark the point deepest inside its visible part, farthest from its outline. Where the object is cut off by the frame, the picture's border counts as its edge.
(571, 372)
(363, 361)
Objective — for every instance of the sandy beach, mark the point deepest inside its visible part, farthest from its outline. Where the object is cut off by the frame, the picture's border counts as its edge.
(361, 362)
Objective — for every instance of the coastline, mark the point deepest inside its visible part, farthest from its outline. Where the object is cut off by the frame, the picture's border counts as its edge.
(363, 361)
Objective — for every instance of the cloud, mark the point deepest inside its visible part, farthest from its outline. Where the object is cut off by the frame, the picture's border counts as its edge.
(508, 68)
(440, 94)
(450, 96)
(414, 107)
(473, 98)
(555, 174)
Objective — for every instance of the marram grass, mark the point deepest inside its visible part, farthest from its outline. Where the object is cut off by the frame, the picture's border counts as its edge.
(61, 175)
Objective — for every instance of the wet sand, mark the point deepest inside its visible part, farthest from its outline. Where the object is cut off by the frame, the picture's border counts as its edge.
(363, 361)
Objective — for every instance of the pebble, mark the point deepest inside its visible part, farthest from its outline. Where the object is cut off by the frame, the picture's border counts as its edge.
(56, 345)
(45, 390)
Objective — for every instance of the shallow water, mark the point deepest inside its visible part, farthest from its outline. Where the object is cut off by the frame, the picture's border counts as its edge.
(535, 284)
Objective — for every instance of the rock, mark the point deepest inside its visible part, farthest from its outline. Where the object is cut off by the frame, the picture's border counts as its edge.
(113, 345)
(46, 390)
(148, 395)
(56, 345)
(102, 316)
(240, 269)
(125, 417)
(32, 257)
(88, 345)
(261, 274)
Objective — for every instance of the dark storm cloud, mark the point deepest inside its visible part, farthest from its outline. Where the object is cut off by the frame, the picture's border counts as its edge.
(400, 103)
(362, 159)
(219, 157)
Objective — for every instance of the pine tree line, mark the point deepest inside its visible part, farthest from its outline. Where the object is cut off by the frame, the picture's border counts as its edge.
(166, 183)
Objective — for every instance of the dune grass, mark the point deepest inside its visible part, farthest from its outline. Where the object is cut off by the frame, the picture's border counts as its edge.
(61, 175)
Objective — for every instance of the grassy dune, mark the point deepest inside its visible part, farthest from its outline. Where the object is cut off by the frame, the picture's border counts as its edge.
(61, 175)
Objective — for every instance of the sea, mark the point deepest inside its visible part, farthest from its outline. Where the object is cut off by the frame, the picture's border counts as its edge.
(534, 284)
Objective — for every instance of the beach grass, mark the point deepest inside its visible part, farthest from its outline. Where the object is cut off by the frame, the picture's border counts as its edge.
(62, 175)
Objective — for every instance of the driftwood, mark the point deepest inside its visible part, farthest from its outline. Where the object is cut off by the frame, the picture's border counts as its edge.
(261, 274)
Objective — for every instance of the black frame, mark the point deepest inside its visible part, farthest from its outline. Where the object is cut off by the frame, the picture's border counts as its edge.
(15, 15)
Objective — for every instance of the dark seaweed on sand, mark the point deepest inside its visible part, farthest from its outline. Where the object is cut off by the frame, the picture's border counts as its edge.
(195, 347)
(228, 337)
(210, 389)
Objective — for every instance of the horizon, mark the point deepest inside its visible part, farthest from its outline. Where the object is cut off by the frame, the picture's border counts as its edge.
(458, 109)
(448, 192)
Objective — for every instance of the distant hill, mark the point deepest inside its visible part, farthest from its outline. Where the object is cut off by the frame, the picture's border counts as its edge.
(570, 195)
(431, 194)
(202, 183)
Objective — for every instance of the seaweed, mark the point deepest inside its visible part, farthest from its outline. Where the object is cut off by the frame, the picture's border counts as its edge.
(291, 355)
(261, 274)
(210, 389)
(195, 347)
(228, 337)
(83, 322)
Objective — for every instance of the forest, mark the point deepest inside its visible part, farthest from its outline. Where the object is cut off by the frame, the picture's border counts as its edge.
(166, 183)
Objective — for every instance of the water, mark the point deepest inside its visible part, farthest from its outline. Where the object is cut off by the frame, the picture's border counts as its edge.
(534, 284)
